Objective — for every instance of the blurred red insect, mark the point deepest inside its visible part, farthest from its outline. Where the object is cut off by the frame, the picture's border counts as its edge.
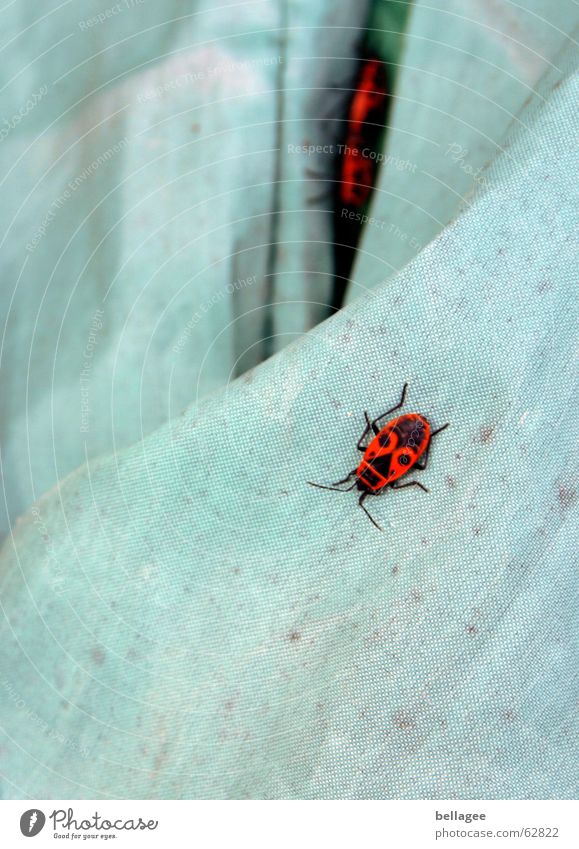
(359, 160)
(394, 450)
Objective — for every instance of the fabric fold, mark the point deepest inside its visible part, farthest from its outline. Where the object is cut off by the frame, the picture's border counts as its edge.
(186, 618)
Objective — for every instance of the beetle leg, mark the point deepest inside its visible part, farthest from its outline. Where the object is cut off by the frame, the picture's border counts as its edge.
(323, 195)
(373, 425)
(410, 483)
(360, 502)
(368, 427)
(439, 429)
(422, 466)
(424, 459)
(387, 413)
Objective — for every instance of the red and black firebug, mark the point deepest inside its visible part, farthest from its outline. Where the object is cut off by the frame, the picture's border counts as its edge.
(394, 450)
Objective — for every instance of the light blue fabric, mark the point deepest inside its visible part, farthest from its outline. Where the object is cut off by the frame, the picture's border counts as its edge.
(138, 218)
(465, 72)
(186, 618)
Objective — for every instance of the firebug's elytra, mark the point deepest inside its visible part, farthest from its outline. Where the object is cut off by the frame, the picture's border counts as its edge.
(358, 169)
(394, 450)
(357, 160)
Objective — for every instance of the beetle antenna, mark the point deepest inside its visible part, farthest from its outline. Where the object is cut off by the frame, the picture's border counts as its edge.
(333, 488)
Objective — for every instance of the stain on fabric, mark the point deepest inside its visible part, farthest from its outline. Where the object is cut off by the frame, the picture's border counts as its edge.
(486, 433)
(403, 721)
(98, 656)
(567, 496)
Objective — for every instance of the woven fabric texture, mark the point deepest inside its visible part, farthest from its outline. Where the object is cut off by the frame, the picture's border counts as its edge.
(186, 618)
